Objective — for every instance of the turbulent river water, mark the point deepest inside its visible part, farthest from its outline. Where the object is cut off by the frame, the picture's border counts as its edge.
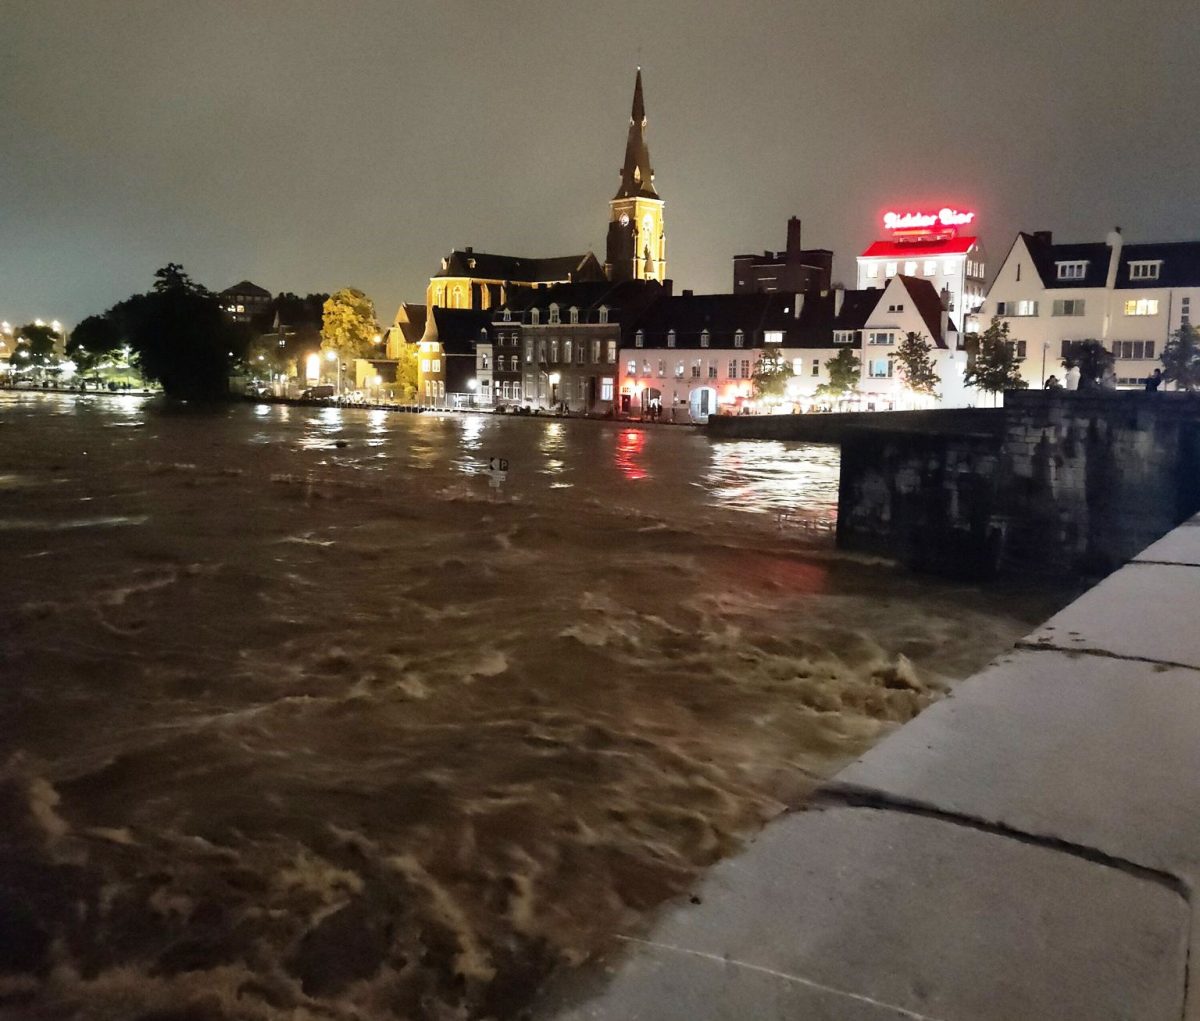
(301, 716)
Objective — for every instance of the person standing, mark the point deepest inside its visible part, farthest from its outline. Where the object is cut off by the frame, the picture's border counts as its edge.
(1154, 382)
(1071, 380)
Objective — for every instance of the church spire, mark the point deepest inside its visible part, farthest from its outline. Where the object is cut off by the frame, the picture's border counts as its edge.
(637, 177)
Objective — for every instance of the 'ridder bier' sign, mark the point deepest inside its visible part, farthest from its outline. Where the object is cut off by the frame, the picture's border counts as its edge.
(921, 222)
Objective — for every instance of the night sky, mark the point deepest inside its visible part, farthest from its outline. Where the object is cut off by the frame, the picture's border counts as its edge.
(309, 146)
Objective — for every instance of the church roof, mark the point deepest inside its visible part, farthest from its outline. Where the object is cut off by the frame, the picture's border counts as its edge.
(245, 287)
(484, 266)
(637, 177)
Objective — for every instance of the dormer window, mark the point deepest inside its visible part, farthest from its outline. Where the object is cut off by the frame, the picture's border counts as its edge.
(507, 315)
(470, 264)
(670, 338)
(1145, 269)
(704, 338)
(739, 339)
(773, 337)
(639, 339)
(574, 315)
(1072, 270)
(535, 317)
(603, 313)
(553, 314)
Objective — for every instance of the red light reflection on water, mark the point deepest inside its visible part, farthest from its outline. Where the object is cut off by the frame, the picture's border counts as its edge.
(628, 458)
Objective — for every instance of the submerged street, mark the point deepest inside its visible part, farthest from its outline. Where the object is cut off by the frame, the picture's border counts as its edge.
(305, 714)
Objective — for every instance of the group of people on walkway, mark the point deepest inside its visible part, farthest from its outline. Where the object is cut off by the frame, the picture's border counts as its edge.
(1072, 381)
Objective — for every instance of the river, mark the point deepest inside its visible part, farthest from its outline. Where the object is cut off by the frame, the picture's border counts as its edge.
(304, 714)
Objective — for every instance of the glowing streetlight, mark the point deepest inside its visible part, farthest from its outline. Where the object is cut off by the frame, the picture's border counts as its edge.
(332, 356)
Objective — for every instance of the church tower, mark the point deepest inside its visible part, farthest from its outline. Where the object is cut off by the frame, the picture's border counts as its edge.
(637, 245)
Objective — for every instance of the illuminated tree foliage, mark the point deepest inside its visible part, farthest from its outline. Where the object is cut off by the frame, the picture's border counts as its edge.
(992, 363)
(349, 325)
(36, 343)
(93, 341)
(914, 364)
(1181, 359)
(771, 374)
(406, 371)
(844, 370)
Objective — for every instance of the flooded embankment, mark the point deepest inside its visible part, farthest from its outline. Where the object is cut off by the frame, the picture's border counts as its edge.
(294, 729)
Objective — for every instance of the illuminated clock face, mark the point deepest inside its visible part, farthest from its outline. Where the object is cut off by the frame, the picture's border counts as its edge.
(624, 220)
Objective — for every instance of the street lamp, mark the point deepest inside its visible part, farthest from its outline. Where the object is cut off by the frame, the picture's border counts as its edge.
(332, 356)
(1045, 348)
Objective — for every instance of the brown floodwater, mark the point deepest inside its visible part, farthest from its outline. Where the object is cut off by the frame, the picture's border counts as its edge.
(303, 715)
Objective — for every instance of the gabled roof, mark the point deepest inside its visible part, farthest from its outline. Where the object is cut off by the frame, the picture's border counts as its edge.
(928, 303)
(623, 297)
(1046, 255)
(1180, 264)
(251, 290)
(857, 307)
(457, 329)
(918, 249)
(484, 266)
(637, 177)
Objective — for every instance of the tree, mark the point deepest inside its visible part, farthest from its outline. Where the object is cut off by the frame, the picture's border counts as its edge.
(844, 370)
(1181, 359)
(406, 371)
(95, 339)
(37, 341)
(914, 364)
(771, 374)
(993, 365)
(182, 336)
(348, 324)
(1093, 360)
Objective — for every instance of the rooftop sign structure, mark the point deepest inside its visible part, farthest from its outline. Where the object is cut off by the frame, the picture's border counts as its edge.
(920, 226)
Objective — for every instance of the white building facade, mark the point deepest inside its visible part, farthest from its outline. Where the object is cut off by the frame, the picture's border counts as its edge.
(1130, 297)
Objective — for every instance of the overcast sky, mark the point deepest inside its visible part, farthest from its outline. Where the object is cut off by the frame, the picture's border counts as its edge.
(313, 145)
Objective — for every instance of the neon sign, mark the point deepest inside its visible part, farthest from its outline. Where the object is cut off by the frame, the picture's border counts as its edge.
(922, 222)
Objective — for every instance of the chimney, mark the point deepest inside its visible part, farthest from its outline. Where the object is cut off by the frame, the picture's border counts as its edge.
(1115, 242)
(945, 295)
(839, 296)
(799, 305)
(1046, 237)
(687, 292)
(793, 239)
(470, 250)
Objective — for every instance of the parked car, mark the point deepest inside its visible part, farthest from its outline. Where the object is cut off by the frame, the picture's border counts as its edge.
(317, 393)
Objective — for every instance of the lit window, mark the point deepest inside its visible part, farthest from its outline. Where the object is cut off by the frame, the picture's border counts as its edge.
(880, 368)
(670, 338)
(1141, 307)
(553, 314)
(606, 388)
(949, 267)
(1072, 270)
(679, 370)
(1069, 307)
(645, 368)
(507, 316)
(797, 366)
(704, 339)
(890, 269)
(639, 339)
(603, 313)
(483, 360)
(612, 352)
(930, 267)
(696, 369)
(1144, 270)
(745, 368)
(554, 351)
(872, 270)
(733, 368)
(739, 339)
(528, 349)
(843, 336)
(567, 352)
(880, 338)
(910, 268)
(1016, 308)
(631, 367)
(424, 364)
(662, 369)
(435, 365)
(773, 336)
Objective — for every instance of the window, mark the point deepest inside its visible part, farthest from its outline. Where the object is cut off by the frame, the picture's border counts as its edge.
(606, 388)
(516, 391)
(890, 269)
(797, 366)
(645, 368)
(631, 367)
(1185, 311)
(483, 360)
(872, 270)
(553, 313)
(581, 388)
(696, 369)
(595, 352)
(1072, 270)
(930, 267)
(881, 338)
(895, 308)
(670, 338)
(910, 268)
(1141, 307)
(1017, 347)
(1134, 349)
(574, 315)
(1068, 307)
(1146, 269)
(541, 352)
(773, 336)
(424, 364)
(436, 365)
(535, 317)
(949, 267)
(458, 297)
(816, 366)
(679, 370)
(879, 368)
(612, 352)
(704, 338)
(554, 350)
(739, 339)
(745, 368)
(507, 316)
(733, 368)
(566, 352)
(1016, 308)
(580, 353)
(506, 391)
(603, 314)
(639, 339)
(843, 336)
(712, 370)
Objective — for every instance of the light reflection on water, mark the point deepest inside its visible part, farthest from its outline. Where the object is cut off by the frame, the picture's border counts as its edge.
(767, 476)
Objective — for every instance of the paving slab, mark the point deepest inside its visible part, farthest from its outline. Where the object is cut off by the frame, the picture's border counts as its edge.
(665, 984)
(1144, 611)
(916, 914)
(1180, 546)
(1102, 753)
